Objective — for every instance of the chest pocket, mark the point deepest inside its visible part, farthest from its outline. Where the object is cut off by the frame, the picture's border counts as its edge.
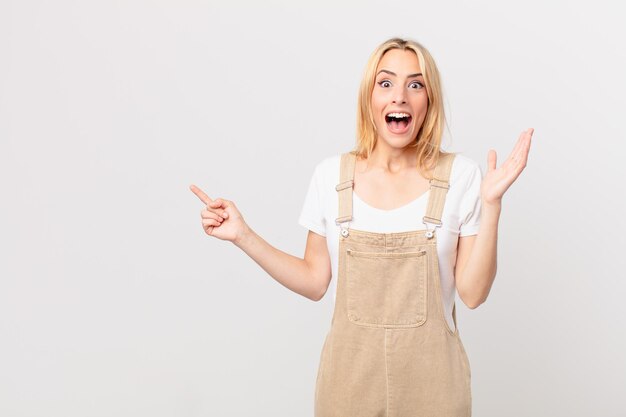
(386, 289)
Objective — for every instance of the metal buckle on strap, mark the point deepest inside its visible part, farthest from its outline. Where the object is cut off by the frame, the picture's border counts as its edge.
(431, 232)
(342, 225)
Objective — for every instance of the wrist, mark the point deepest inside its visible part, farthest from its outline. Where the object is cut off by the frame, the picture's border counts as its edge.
(243, 236)
(497, 203)
(491, 208)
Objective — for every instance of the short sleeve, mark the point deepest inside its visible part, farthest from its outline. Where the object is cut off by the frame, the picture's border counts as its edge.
(470, 203)
(312, 214)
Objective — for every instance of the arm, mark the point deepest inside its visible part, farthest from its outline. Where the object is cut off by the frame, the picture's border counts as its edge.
(476, 262)
(308, 277)
(477, 259)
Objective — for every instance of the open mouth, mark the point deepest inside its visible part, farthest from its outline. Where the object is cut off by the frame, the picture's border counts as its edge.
(398, 122)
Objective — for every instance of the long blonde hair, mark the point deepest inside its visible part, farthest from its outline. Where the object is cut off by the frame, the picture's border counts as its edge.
(428, 140)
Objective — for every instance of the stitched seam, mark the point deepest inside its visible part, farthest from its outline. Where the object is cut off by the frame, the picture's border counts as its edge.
(392, 255)
(374, 245)
(386, 377)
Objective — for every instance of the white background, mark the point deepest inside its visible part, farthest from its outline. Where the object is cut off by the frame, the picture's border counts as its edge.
(113, 301)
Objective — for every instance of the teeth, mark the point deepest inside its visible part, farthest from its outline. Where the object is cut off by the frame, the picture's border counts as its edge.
(398, 115)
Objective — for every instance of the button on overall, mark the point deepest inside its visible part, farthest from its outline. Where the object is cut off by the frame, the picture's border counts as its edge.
(389, 351)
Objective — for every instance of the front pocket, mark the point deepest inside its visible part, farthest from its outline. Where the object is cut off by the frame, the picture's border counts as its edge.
(386, 289)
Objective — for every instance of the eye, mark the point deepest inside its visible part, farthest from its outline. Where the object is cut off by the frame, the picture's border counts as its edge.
(417, 83)
(381, 83)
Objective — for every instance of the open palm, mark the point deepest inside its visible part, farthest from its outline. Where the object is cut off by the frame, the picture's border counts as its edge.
(498, 180)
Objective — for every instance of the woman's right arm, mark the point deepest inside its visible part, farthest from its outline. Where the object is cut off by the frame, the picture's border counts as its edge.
(309, 277)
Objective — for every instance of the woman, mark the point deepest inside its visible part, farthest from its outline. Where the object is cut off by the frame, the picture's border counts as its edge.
(403, 226)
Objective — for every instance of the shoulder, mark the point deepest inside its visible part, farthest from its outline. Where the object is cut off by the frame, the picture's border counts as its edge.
(463, 169)
(325, 177)
(329, 163)
(327, 170)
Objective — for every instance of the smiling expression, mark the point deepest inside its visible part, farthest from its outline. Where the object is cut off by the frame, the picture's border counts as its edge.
(399, 98)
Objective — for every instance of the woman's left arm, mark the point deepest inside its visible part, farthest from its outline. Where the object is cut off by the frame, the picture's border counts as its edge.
(476, 255)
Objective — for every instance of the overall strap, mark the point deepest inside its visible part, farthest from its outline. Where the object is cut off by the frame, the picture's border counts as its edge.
(439, 185)
(344, 188)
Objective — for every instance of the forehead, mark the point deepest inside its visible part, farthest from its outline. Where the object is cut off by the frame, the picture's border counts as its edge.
(399, 61)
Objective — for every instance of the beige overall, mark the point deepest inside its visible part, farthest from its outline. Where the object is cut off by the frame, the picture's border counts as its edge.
(389, 351)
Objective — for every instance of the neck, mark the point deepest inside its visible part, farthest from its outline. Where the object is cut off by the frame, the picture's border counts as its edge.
(391, 160)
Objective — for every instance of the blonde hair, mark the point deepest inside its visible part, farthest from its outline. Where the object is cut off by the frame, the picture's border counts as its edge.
(428, 141)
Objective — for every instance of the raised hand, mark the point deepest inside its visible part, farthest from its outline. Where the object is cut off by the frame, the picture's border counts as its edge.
(498, 180)
(220, 218)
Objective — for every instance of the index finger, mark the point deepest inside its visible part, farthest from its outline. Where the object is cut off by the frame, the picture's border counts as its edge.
(201, 194)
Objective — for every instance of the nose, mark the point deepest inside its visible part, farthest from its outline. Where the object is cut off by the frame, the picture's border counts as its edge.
(399, 95)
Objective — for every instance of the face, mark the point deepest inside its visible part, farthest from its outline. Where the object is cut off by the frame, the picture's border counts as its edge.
(399, 98)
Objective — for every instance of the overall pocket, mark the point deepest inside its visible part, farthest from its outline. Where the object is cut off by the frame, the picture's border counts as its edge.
(386, 289)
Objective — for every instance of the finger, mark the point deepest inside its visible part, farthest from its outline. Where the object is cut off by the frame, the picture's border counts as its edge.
(518, 148)
(201, 194)
(524, 140)
(220, 213)
(217, 203)
(530, 135)
(210, 222)
(206, 214)
(522, 155)
(491, 160)
(208, 229)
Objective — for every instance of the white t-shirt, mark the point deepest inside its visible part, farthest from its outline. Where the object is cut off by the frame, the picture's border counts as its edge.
(461, 216)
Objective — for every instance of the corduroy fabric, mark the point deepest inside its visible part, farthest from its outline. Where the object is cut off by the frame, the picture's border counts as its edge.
(389, 351)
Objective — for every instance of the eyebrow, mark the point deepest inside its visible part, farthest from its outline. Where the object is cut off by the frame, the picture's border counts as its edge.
(394, 74)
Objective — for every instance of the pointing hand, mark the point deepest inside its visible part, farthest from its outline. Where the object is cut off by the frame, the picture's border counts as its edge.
(220, 218)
